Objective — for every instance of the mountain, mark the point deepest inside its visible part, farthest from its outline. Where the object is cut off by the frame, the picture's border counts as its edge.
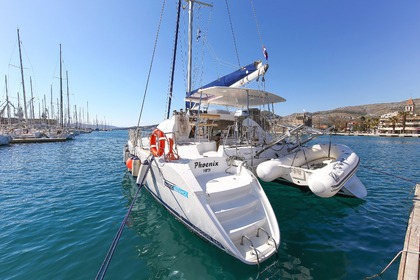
(356, 112)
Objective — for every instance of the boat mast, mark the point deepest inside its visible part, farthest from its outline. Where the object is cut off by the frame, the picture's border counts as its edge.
(7, 102)
(61, 93)
(52, 107)
(23, 79)
(190, 39)
(87, 112)
(190, 27)
(173, 61)
(31, 108)
(68, 99)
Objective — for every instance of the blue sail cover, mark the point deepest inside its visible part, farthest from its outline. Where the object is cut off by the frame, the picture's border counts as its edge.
(227, 80)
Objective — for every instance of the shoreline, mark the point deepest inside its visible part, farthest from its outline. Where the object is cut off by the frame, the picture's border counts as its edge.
(376, 134)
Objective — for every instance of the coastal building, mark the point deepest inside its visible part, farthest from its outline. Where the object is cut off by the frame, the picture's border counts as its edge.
(401, 122)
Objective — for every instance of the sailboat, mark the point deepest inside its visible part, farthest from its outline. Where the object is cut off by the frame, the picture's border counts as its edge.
(200, 177)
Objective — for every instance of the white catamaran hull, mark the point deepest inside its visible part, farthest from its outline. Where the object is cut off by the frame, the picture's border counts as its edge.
(326, 169)
(218, 199)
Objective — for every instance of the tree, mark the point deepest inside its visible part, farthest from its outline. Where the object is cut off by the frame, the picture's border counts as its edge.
(362, 124)
(373, 123)
(394, 121)
(403, 119)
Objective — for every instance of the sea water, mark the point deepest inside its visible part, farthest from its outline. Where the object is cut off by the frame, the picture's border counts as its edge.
(61, 205)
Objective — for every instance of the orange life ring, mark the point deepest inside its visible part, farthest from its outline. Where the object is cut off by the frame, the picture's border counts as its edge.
(157, 142)
(171, 155)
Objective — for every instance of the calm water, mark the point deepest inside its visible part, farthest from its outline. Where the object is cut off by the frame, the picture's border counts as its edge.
(61, 205)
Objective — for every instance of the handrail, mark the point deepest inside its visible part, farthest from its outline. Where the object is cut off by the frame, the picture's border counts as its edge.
(269, 238)
(252, 247)
(278, 140)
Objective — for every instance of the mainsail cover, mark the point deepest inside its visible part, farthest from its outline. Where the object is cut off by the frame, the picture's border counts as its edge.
(235, 79)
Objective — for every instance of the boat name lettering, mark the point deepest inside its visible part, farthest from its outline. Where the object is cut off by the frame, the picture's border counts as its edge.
(176, 189)
(335, 176)
(200, 164)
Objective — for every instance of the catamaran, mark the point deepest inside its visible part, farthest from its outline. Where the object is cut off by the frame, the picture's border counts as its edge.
(193, 164)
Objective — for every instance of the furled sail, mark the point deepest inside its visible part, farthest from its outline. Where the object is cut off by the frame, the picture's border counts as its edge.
(237, 78)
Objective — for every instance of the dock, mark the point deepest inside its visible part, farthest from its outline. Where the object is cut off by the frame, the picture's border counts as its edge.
(409, 263)
(377, 134)
(36, 140)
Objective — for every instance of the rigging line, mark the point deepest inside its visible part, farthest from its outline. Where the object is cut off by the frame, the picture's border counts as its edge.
(256, 23)
(195, 70)
(203, 45)
(217, 59)
(151, 63)
(183, 49)
(233, 34)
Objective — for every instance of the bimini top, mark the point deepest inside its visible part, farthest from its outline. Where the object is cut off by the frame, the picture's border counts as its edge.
(234, 97)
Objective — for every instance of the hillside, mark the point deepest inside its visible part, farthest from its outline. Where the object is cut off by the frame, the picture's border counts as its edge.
(355, 112)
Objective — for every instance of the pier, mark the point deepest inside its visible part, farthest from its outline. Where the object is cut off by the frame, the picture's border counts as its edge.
(377, 134)
(409, 263)
(36, 140)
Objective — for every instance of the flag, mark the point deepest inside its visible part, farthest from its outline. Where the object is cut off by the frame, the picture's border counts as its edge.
(265, 53)
(198, 34)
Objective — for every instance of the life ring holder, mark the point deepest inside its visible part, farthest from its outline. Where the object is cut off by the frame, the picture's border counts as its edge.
(157, 142)
(172, 154)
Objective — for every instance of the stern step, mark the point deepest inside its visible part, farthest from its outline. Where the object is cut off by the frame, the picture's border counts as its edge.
(244, 225)
(228, 187)
(233, 208)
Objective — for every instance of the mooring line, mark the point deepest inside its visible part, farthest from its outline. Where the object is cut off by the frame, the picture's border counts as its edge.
(389, 174)
(109, 255)
(389, 264)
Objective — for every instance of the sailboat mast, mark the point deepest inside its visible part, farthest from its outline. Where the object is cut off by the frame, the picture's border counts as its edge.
(68, 99)
(7, 102)
(52, 106)
(190, 40)
(171, 87)
(190, 27)
(61, 92)
(19, 110)
(31, 105)
(23, 79)
(87, 112)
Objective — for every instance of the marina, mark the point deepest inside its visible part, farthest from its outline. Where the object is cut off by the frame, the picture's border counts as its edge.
(62, 203)
(223, 187)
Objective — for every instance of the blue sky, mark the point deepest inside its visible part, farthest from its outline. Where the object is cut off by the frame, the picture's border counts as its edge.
(323, 54)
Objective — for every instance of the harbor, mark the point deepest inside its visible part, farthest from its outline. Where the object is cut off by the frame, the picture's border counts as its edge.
(62, 204)
(233, 182)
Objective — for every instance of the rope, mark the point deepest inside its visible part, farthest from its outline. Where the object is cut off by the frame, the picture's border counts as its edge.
(383, 271)
(256, 23)
(110, 254)
(203, 47)
(389, 174)
(151, 63)
(233, 34)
